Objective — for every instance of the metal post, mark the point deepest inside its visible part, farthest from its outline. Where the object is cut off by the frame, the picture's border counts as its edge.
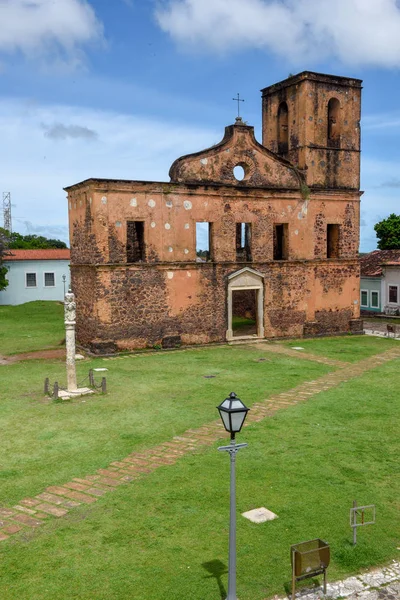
(55, 390)
(355, 523)
(232, 530)
(293, 576)
(91, 378)
(46, 386)
(233, 448)
(103, 385)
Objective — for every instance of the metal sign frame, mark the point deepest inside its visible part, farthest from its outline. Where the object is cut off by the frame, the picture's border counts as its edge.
(357, 510)
(360, 510)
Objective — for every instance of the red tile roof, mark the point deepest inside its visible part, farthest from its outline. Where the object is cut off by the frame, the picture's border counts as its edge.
(371, 264)
(51, 254)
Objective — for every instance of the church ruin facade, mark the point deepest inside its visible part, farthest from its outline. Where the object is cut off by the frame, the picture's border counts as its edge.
(282, 252)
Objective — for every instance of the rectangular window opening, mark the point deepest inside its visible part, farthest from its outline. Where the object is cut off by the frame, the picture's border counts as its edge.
(243, 242)
(30, 279)
(281, 241)
(393, 294)
(364, 298)
(49, 280)
(135, 250)
(374, 299)
(332, 241)
(203, 242)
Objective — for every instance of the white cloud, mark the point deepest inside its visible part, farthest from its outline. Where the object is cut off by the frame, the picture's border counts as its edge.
(35, 167)
(388, 122)
(48, 28)
(59, 131)
(357, 32)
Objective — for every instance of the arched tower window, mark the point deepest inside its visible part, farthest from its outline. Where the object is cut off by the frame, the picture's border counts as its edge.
(334, 123)
(283, 128)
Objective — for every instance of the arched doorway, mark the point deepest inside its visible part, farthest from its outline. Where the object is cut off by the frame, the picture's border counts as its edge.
(245, 305)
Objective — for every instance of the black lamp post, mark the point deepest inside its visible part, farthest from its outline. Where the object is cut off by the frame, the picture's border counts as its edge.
(233, 414)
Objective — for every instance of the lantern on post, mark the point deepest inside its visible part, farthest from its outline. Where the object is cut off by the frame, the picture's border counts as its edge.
(233, 414)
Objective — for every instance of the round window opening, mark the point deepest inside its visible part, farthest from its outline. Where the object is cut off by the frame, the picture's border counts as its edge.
(239, 172)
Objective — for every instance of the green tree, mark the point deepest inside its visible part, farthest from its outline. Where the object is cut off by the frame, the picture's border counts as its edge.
(14, 241)
(388, 233)
(33, 242)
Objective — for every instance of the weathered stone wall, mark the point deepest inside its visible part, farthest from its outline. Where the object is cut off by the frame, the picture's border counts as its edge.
(140, 306)
(160, 294)
(169, 294)
(170, 213)
(84, 282)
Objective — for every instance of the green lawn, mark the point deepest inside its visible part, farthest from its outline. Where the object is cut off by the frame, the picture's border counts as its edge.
(165, 536)
(345, 348)
(151, 398)
(32, 326)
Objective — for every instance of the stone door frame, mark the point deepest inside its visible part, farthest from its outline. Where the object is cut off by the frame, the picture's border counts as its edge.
(246, 279)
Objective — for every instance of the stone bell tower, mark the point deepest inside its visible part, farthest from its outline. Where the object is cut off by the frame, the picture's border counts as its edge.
(313, 120)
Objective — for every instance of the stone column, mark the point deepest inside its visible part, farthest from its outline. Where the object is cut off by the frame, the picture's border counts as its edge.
(70, 320)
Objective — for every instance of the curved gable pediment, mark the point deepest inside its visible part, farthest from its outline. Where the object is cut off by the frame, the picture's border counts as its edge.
(239, 147)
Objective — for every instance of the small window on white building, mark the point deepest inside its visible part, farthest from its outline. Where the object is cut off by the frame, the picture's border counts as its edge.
(49, 280)
(30, 279)
(393, 294)
(364, 298)
(374, 299)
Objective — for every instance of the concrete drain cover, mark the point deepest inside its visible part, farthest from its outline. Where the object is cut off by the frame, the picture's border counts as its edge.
(260, 515)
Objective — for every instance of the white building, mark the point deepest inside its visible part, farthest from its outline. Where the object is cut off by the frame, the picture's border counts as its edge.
(36, 275)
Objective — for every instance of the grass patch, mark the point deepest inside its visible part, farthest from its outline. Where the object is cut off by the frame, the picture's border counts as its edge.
(151, 398)
(350, 348)
(32, 326)
(166, 535)
(379, 320)
(243, 325)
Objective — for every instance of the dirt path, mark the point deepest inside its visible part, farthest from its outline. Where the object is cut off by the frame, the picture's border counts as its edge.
(46, 354)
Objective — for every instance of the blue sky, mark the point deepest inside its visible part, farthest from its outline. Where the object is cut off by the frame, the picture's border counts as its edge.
(120, 88)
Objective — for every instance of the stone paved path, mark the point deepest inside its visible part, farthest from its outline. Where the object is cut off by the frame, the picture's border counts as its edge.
(378, 584)
(57, 501)
(279, 349)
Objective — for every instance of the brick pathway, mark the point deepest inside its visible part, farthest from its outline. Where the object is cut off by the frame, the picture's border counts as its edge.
(57, 501)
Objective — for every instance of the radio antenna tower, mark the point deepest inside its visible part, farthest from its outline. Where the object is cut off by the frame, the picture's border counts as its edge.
(7, 211)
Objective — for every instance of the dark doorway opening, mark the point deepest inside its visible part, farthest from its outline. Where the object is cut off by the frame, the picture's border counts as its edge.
(244, 313)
